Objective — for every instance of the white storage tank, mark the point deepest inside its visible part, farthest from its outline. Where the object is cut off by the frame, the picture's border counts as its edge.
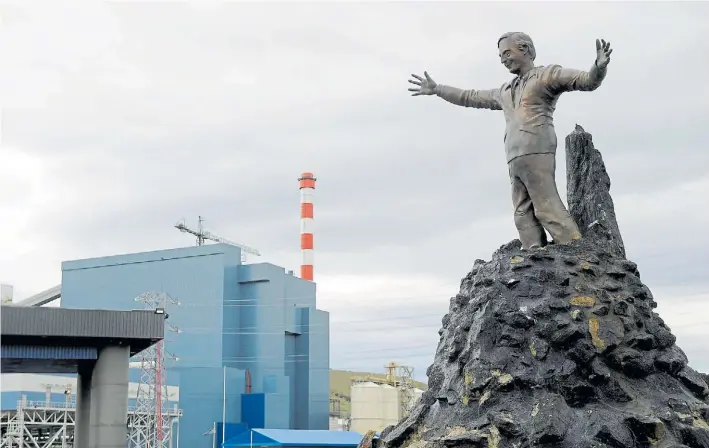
(373, 406)
(417, 396)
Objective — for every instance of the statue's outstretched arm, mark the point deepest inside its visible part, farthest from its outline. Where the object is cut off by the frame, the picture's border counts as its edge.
(480, 99)
(561, 79)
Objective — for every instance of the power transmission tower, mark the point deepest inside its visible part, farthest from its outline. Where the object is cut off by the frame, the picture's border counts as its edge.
(204, 235)
(152, 426)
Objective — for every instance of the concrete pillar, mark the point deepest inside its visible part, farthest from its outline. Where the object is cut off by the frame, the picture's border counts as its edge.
(109, 398)
(83, 404)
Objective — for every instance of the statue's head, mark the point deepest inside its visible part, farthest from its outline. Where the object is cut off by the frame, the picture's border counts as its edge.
(516, 51)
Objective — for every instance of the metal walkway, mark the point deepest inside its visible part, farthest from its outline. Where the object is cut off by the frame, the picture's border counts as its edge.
(42, 298)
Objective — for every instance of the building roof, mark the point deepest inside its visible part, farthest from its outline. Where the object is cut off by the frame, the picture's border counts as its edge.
(295, 438)
(53, 340)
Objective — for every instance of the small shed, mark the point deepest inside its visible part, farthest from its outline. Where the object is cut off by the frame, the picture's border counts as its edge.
(300, 438)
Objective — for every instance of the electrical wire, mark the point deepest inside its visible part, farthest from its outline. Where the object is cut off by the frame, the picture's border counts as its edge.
(356, 353)
(252, 303)
(428, 353)
(200, 330)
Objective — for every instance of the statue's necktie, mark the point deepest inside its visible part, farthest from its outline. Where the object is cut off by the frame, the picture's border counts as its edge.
(515, 84)
(518, 84)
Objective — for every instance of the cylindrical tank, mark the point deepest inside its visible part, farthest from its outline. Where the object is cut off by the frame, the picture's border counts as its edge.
(373, 406)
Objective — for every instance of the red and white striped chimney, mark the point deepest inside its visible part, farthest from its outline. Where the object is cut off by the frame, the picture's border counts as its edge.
(307, 188)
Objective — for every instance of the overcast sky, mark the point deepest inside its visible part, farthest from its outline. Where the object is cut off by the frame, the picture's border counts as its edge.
(120, 119)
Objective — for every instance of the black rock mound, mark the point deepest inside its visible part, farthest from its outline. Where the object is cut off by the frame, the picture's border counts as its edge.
(558, 347)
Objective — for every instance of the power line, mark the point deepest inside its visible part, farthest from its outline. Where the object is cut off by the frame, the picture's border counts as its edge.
(260, 333)
(365, 298)
(199, 330)
(354, 352)
(253, 302)
(281, 360)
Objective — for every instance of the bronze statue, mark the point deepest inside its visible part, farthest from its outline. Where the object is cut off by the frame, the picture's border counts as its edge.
(528, 102)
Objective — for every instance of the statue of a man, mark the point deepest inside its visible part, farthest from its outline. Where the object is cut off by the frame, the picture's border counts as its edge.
(528, 102)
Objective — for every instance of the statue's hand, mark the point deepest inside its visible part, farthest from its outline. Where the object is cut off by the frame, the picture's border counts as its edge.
(603, 53)
(425, 86)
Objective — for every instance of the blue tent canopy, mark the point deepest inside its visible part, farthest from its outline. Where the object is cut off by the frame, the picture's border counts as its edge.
(294, 438)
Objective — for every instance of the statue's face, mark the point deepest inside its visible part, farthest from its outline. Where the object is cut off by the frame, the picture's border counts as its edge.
(511, 56)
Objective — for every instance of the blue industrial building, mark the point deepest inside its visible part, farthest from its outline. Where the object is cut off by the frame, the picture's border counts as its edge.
(249, 344)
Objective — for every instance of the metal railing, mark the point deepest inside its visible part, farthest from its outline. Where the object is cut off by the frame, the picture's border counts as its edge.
(35, 404)
(41, 404)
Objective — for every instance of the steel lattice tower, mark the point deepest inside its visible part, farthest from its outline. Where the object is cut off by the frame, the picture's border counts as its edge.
(152, 426)
(407, 390)
(402, 377)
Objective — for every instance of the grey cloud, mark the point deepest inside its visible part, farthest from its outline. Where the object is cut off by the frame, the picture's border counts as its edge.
(144, 114)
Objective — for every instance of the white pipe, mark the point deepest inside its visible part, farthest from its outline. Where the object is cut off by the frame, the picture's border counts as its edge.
(139, 364)
(224, 408)
(172, 433)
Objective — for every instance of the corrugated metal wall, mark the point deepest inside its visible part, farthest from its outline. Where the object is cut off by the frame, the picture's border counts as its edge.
(39, 352)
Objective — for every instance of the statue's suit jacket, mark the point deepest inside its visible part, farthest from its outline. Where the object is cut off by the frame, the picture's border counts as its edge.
(528, 103)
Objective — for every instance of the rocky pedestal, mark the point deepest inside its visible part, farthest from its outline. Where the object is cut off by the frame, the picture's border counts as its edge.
(558, 347)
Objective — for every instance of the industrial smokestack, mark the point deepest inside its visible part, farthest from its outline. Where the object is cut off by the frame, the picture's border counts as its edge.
(307, 188)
